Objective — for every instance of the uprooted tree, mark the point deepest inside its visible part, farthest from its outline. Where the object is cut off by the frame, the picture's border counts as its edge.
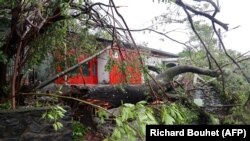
(30, 30)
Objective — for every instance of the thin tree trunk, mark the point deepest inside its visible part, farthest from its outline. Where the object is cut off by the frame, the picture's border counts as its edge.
(14, 76)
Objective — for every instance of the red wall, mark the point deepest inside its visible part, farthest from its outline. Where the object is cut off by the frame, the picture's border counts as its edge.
(132, 75)
(78, 76)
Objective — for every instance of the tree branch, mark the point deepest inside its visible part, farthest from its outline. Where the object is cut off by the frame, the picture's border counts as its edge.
(204, 45)
(231, 58)
(174, 71)
(223, 25)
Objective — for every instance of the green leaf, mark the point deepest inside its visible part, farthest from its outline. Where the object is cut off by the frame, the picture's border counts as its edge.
(44, 115)
(50, 117)
(59, 125)
(150, 116)
(55, 127)
(118, 122)
(124, 114)
(169, 120)
(172, 112)
(179, 116)
(142, 130)
(58, 113)
(142, 117)
(116, 134)
(142, 102)
(102, 115)
(128, 105)
(131, 137)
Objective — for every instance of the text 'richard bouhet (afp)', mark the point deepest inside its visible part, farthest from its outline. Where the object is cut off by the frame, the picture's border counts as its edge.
(214, 132)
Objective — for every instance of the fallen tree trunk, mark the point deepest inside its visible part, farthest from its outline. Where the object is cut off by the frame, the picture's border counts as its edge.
(116, 95)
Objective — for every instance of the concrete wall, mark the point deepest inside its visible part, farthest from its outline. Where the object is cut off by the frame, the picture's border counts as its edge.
(153, 61)
(103, 76)
(27, 125)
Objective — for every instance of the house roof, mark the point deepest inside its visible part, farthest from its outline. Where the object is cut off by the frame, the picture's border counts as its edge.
(159, 52)
(153, 51)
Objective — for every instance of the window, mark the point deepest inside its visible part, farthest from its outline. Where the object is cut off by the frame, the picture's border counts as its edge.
(85, 69)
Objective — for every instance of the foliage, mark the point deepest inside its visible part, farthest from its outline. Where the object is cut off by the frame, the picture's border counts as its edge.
(178, 114)
(79, 130)
(54, 115)
(3, 57)
(132, 120)
(125, 63)
(238, 115)
(102, 115)
(103, 34)
(237, 92)
(4, 90)
(236, 87)
(197, 53)
(39, 29)
(77, 47)
(5, 105)
(57, 39)
(110, 64)
(43, 46)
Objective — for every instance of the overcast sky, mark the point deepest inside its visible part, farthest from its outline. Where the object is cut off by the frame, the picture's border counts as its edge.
(139, 14)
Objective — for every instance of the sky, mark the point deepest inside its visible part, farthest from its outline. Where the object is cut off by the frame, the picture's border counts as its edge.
(140, 13)
(236, 13)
